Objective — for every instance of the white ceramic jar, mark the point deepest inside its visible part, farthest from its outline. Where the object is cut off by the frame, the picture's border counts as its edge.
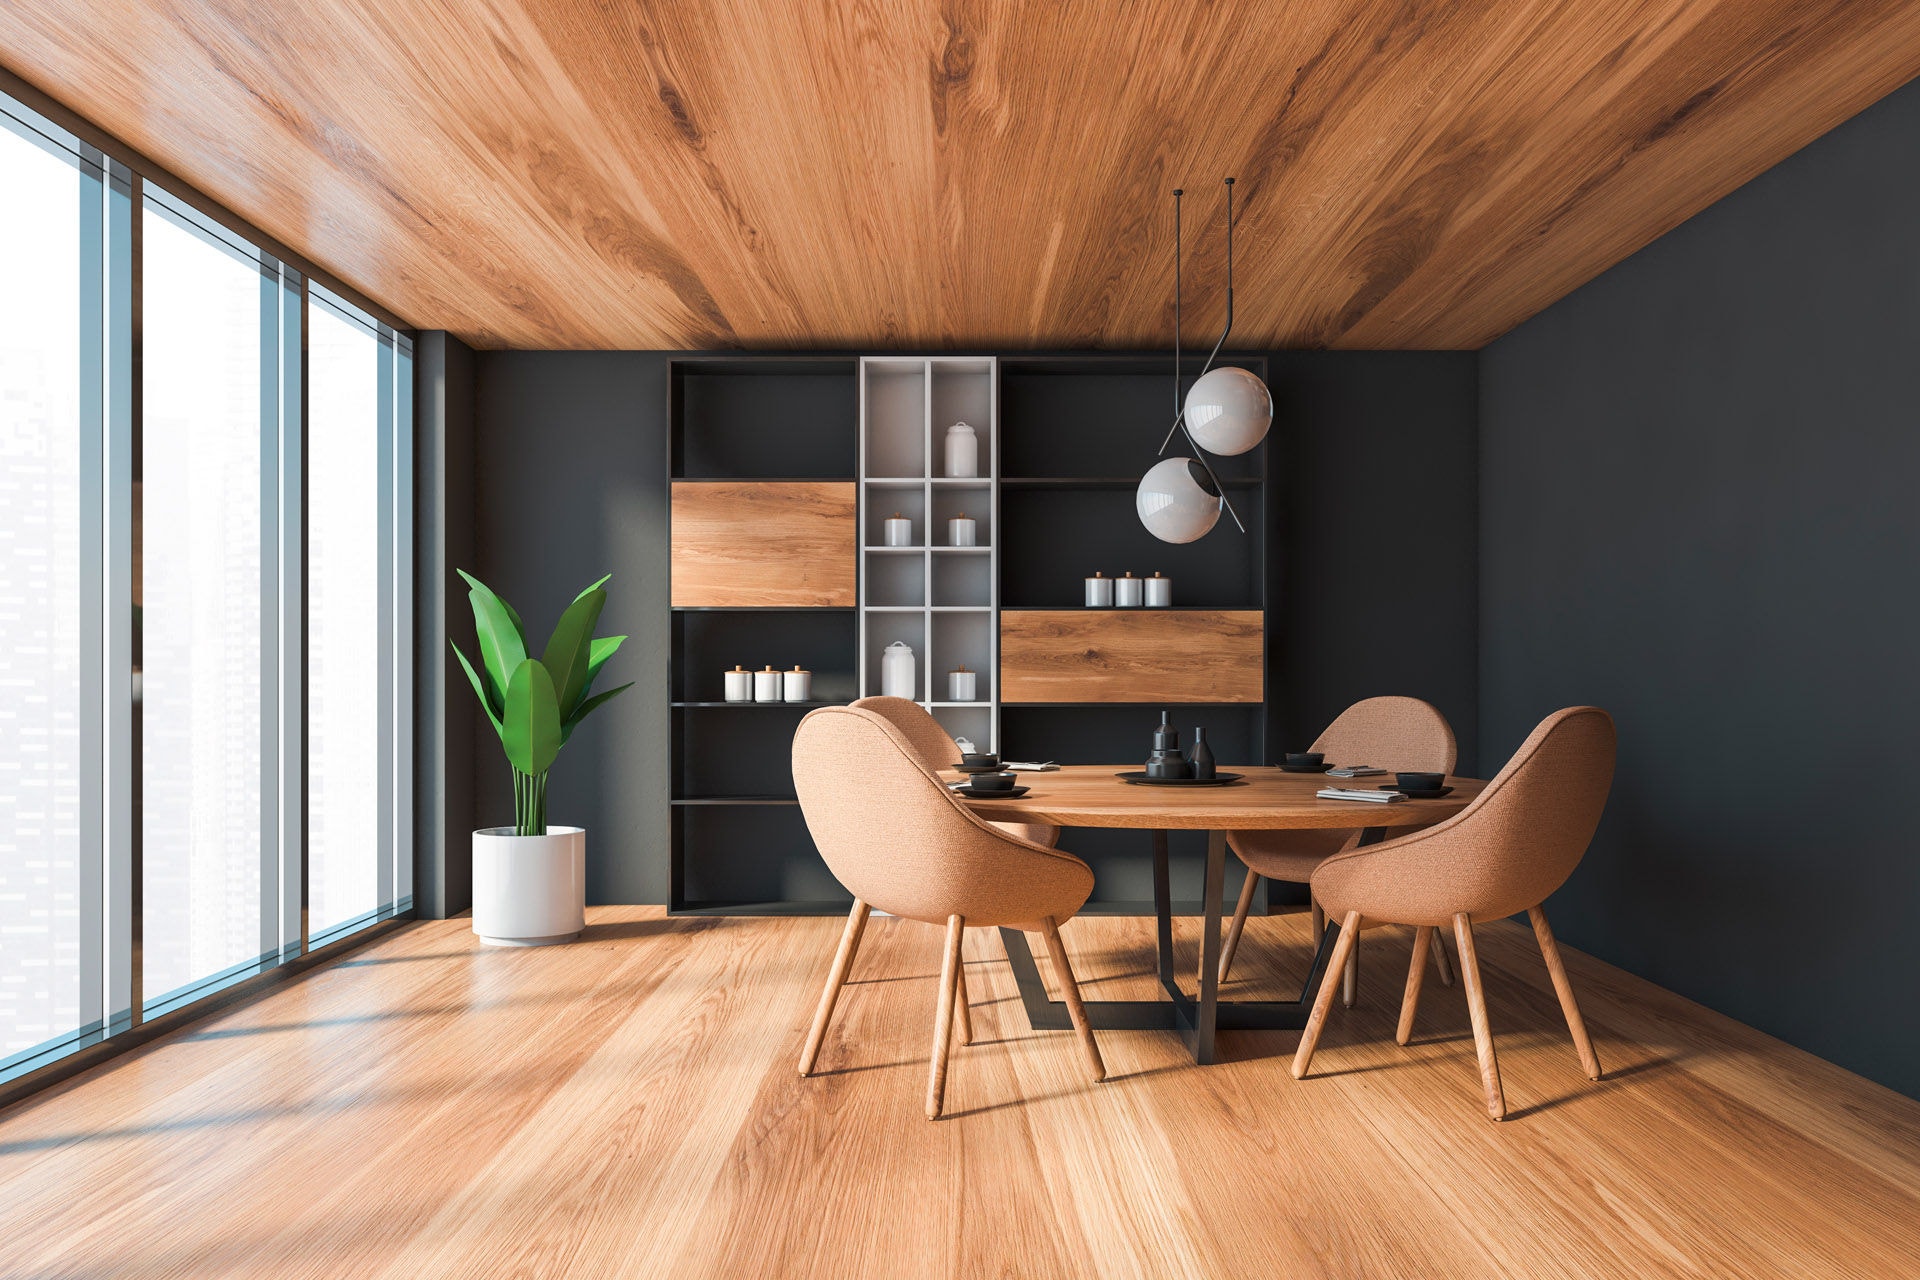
(963, 451)
(962, 684)
(766, 685)
(899, 531)
(797, 684)
(897, 671)
(962, 531)
(1126, 591)
(1099, 591)
(739, 684)
(1159, 592)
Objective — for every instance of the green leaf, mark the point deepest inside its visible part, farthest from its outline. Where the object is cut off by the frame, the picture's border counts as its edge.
(596, 586)
(573, 721)
(531, 729)
(503, 645)
(479, 689)
(571, 648)
(603, 648)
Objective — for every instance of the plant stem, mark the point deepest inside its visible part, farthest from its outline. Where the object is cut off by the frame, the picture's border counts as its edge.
(529, 804)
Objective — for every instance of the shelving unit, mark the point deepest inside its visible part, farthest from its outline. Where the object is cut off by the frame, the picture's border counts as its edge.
(940, 599)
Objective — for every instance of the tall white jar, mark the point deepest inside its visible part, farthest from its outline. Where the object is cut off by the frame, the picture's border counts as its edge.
(963, 451)
(897, 671)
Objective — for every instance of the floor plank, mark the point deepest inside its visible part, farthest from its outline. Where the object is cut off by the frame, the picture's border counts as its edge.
(629, 1105)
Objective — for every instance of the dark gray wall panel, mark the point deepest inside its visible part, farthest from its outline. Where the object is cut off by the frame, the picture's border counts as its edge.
(1697, 493)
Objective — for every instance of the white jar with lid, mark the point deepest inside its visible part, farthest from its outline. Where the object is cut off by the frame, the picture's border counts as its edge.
(739, 684)
(1159, 591)
(963, 451)
(899, 530)
(1126, 591)
(1099, 591)
(796, 685)
(766, 685)
(897, 672)
(963, 685)
(962, 531)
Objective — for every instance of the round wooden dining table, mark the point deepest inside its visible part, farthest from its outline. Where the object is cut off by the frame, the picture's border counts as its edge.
(1265, 799)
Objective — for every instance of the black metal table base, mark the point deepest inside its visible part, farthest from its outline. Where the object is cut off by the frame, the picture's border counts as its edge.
(1195, 1018)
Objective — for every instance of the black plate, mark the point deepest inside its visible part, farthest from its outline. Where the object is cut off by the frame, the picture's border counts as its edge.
(1140, 779)
(1010, 793)
(978, 768)
(1424, 793)
(1305, 768)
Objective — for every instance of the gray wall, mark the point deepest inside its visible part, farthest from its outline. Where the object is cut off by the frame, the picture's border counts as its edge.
(1697, 499)
(1374, 460)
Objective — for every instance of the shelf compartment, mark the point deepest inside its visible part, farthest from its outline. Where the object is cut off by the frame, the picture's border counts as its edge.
(895, 581)
(721, 407)
(880, 507)
(949, 502)
(1052, 541)
(894, 414)
(883, 629)
(706, 643)
(758, 544)
(1124, 655)
(748, 853)
(963, 582)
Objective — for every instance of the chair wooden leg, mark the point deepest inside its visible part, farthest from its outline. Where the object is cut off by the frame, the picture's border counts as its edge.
(1440, 963)
(1232, 943)
(836, 978)
(943, 1019)
(1070, 992)
(1477, 1009)
(962, 1007)
(1342, 948)
(1350, 977)
(1416, 972)
(1550, 952)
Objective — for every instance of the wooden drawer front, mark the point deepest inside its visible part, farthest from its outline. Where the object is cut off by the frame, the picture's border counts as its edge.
(765, 545)
(1131, 655)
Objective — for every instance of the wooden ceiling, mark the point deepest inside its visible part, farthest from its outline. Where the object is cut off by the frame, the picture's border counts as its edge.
(910, 174)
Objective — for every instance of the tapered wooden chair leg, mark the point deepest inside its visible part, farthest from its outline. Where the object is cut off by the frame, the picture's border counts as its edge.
(836, 978)
(1477, 1009)
(1350, 977)
(1070, 992)
(1440, 963)
(963, 1008)
(1563, 987)
(1232, 943)
(1416, 973)
(1323, 1001)
(943, 1019)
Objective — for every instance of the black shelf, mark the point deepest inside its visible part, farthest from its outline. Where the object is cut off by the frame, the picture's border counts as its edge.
(750, 479)
(1112, 608)
(734, 800)
(683, 706)
(754, 608)
(1108, 482)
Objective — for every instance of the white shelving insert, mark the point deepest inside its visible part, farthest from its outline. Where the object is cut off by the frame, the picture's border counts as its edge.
(942, 600)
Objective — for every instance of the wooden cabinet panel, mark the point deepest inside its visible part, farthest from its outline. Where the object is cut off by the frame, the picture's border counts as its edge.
(1131, 655)
(764, 544)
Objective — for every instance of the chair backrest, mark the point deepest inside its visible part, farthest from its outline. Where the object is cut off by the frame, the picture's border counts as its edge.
(930, 741)
(1508, 850)
(893, 834)
(1398, 734)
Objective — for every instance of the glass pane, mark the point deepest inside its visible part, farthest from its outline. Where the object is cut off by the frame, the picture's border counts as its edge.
(344, 649)
(41, 577)
(202, 701)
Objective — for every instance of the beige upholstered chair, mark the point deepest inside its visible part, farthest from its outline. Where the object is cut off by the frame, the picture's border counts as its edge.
(935, 748)
(1505, 853)
(1395, 734)
(901, 842)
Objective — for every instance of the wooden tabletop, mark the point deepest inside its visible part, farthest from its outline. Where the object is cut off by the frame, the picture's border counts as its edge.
(1089, 795)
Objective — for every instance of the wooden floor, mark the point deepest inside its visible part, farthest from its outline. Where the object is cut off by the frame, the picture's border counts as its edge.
(628, 1106)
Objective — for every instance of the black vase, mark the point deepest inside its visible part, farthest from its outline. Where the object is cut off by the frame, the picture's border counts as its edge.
(1201, 756)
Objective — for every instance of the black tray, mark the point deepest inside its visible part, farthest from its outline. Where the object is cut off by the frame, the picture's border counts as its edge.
(1140, 779)
(1011, 793)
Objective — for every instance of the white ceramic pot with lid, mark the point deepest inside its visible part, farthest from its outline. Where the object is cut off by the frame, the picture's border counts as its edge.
(897, 671)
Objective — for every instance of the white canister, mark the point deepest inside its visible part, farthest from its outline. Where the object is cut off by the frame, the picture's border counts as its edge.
(1126, 591)
(1099, 591)
(962, 531)
(1159, 592)
(739, 684)
(963, 451)
(797, 684)
(961, 685)
(896, 671)
(766, 685)
(899, 531)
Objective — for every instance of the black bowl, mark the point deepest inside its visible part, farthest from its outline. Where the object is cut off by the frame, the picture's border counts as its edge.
(1306, 757)
(992, 781)
(1420, 781)
(982, 759)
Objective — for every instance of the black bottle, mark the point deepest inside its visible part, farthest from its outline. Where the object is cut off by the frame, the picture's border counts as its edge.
(1201, 757)
(1166, 760)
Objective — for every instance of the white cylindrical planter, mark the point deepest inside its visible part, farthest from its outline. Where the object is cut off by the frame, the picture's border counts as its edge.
(529, 890)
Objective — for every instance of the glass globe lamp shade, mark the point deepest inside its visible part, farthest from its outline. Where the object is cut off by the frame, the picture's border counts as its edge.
(1177, 500)
(1228, 411)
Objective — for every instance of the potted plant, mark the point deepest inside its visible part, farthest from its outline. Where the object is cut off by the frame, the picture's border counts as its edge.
(529, 879)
